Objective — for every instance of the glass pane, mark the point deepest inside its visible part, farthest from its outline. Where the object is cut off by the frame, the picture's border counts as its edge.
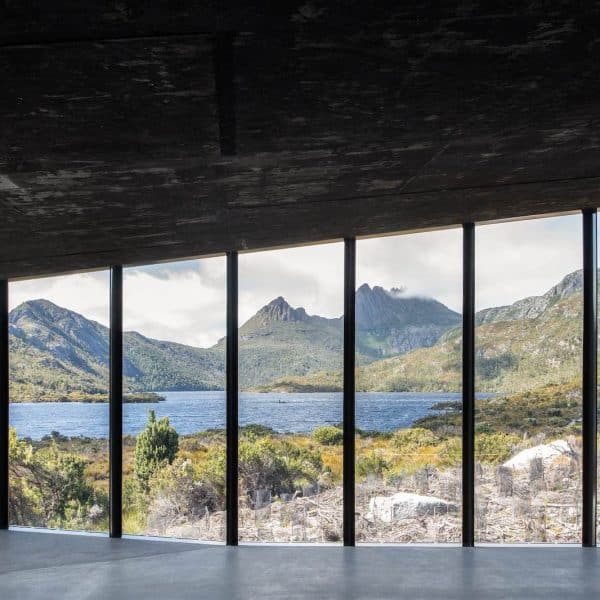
(290, 370)
(59, 402)
(528, 379)
(174, 388)
(408, 382)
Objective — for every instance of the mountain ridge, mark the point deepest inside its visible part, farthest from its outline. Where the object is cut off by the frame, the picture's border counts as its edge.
(403, 343)
(58, 354)
(534, 341)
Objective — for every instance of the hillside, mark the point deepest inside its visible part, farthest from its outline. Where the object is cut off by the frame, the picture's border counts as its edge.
(403, 344)
(280, 339)
(59, 355)
(284, 341)
(533, 342)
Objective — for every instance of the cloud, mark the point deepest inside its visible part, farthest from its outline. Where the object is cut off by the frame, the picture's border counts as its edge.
(186, 304)
(185, 301)
(420, 264)
(513, 260)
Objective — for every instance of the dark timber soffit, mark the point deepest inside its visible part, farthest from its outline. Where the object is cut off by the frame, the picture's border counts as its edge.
(126, 136)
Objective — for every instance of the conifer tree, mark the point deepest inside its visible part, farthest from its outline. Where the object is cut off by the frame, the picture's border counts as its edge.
(155, 447)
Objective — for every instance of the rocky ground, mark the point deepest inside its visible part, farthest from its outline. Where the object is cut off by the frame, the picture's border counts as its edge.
(531, 498)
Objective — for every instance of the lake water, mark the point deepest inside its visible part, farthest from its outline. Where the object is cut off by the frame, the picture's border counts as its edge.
(190, 412)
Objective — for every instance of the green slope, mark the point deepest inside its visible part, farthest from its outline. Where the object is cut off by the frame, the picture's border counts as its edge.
(57, 354)
(532, 343)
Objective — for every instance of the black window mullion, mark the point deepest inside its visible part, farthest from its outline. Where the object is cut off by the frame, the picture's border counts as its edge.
(589, 377)
(232, 400)
(468, 387)
(349, 390)
(4, 406)
(116, 402)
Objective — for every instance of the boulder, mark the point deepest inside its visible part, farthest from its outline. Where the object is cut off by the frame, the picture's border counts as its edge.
(404, 505)
(546, 452)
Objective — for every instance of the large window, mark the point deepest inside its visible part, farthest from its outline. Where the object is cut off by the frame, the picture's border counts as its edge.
(58, 453)
(174, 394)
(290, 372)
(408, 377)
(528, 362)
(408, 382)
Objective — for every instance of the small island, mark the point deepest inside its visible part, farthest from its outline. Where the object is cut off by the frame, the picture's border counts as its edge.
(89, 398)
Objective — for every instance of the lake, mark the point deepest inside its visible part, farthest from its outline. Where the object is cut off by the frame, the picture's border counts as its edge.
(190, 412)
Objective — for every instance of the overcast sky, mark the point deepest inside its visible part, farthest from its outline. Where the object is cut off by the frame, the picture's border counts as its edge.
(185, 301)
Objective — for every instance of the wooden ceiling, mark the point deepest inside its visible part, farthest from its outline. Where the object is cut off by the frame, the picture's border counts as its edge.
(133, 133)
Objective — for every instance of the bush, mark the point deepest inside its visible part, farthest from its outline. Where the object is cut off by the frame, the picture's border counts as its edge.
(277, 466)
(328, 435)
(409, 440)
(371, 465)
(261, 466)
(494, 448)
(450, 453)
(178, 496)
(49, 488)
(155, 447)
(256, 430)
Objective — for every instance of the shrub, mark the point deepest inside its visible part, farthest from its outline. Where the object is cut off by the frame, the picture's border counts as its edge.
(328, 435)
(494, 448)
(155, 447)
(277, 466)
(490, 367)
(178, 496)
(409, 440)
(450, 452)
(371, 465)
(261, 466)
(256, 430)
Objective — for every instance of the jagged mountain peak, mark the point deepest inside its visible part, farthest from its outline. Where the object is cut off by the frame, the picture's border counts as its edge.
(280, 310)
(390, 322)
(377, 307)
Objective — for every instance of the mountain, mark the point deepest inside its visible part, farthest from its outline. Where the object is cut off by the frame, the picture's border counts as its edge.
(534, 306)
(57, 354)
(390, 322)
(283, 341)
(280, 340)
(533, 342)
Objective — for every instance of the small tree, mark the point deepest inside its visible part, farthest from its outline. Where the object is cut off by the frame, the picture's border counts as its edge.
(155, 447)
(328, 435)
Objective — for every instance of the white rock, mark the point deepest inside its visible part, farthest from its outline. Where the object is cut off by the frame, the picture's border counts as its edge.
(547, 452)
(405, 506)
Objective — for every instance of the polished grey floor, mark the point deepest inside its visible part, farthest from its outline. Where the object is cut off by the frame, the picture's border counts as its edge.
(45, 565)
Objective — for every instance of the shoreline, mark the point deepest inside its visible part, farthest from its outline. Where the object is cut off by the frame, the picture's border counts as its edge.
(135, 398)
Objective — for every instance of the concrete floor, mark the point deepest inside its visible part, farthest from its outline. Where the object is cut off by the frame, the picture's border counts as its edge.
(48, 566)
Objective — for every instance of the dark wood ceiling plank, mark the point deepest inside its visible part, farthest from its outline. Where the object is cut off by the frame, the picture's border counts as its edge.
(242, 228)
(89, 103)
(111, 151)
